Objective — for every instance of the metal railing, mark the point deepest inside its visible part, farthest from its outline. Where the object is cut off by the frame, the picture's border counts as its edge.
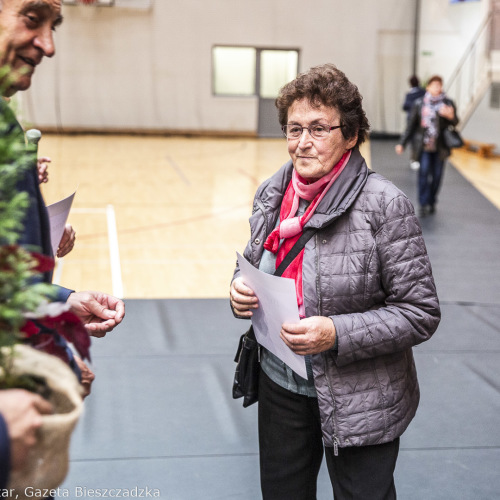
(472, 76)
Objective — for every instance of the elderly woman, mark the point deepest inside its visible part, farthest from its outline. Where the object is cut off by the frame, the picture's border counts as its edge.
(365, 294)
(429, 116)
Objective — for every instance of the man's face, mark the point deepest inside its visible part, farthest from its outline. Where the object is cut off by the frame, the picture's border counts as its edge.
(26, 36)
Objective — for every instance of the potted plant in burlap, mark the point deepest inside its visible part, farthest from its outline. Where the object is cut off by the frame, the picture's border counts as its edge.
(29, 325)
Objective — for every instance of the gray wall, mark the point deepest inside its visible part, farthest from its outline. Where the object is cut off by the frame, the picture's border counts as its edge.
(484, 124)
(132, 69)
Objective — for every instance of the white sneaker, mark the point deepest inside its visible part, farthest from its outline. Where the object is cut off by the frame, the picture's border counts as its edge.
(414, 165)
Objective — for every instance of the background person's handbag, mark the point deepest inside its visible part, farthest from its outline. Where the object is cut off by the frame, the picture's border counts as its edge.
(246, 375)
(452, 138)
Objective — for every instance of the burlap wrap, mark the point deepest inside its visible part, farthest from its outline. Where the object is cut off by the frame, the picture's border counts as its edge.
(48, 462)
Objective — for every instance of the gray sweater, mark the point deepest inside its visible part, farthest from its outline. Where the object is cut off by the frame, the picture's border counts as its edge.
(367, 268)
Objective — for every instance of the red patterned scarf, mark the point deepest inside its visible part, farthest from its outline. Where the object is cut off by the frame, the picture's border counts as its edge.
(290, 227)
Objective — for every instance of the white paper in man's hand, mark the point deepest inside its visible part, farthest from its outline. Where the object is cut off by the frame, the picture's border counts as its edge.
(58, 215)
(277, 305)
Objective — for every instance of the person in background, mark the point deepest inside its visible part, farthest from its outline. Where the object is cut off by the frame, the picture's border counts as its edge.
(66, 244)
(69, 236)
(26, 37)
(365, 294)
(415, 92)
(430, 115)
(43, 169)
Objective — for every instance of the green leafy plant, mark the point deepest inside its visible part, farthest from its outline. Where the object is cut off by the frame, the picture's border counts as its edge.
(21, 292)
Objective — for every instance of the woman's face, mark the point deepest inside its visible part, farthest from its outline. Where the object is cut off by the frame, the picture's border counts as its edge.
(435, 88)
(314, 158)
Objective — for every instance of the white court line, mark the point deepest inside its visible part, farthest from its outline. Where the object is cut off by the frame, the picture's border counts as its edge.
(88, 210)
(114, 253)
(178, 170)
(58, 271)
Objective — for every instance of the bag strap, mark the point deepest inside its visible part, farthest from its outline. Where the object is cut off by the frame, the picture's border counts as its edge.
(295, 250)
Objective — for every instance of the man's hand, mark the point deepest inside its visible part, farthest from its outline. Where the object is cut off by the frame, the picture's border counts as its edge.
(42, 164)
(310, 336)
(99, 312)
(399, 149)
(243, 298)
(22, 412)
(67, 241)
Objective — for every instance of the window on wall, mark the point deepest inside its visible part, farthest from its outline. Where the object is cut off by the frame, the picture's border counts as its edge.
(234, 70)
(277, 67)
(250, 71)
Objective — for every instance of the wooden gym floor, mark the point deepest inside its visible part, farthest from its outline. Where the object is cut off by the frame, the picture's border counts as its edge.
(162, 217)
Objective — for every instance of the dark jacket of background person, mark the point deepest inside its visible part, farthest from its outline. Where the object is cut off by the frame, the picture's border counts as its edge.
(415, 133)
(367, 268)
(410, 98)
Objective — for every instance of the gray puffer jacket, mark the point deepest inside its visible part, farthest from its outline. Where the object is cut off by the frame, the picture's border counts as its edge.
(367, 268)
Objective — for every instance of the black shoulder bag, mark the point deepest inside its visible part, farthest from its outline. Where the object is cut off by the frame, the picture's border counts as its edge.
(452, 138)
(246, 376)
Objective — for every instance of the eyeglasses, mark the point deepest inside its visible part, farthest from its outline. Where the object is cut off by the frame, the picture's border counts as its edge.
(316, 131)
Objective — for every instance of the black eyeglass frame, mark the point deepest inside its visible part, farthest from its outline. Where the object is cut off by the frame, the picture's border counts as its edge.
(329, 129)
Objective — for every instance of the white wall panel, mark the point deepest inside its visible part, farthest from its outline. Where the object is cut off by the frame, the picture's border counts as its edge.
(484, 125)
(121, 68)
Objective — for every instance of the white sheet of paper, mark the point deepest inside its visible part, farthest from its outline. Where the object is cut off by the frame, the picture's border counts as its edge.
(277, 305)
(58, 215)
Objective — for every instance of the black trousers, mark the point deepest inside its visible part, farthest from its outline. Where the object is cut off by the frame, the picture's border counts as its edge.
(291, 451)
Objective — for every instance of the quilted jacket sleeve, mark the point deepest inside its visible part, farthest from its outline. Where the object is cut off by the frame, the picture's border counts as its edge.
(258, 230)
(410, 313)
(253, 250)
